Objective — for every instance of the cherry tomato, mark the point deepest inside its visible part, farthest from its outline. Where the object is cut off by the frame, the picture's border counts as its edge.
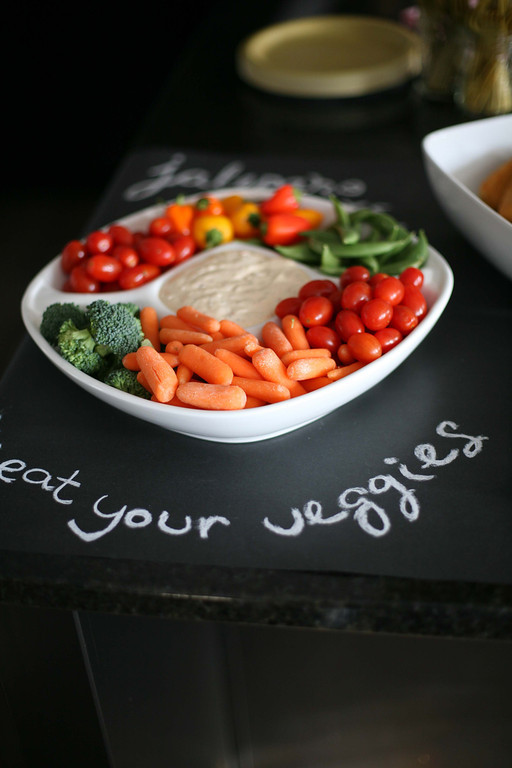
(80, 281)
(99, 242)
(391, 289)
(415, 300)
(315, 310)
(120, 235)
(184, 247)
(289, 306)
(322, 337)
(347, 323)
(412, 276)
(156, 250)
(317, 288)
(376, 314)
(345, 356)
(160, 226)
(404, 319)
(72, 255)
(103, 267)
(127, 255)
(365, 347)
(389, 338)
(355, 295)
(137, 276)
(357, 273)
(376, 278)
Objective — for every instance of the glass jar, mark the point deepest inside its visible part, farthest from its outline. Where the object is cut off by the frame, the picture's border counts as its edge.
(484, 81)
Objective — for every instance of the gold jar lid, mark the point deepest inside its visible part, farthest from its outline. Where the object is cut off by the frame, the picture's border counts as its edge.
(330, 56)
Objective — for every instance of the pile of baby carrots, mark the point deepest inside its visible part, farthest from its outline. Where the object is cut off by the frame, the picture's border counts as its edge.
(192, 360)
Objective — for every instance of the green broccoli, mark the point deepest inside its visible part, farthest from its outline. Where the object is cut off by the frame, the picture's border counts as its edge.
(114, 328)
(77, 346)
(126, 381)
(56, 314)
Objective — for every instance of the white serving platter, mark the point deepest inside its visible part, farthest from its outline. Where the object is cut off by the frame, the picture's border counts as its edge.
(249, 425)
(457, 159)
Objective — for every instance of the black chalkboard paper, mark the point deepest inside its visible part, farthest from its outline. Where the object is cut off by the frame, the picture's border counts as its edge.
(412, 479)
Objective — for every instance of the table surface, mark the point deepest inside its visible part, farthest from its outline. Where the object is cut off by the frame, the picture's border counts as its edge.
(448, 573)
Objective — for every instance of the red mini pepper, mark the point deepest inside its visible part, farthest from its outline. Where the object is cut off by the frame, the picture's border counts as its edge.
(284, 200)
(283, 229)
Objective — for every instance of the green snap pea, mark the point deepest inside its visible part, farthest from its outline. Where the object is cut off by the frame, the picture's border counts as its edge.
(329, 264)
(300, 252)
(363, 248)
(415, 255)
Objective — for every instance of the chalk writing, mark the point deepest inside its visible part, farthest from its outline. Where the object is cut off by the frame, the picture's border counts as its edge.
(38, 476)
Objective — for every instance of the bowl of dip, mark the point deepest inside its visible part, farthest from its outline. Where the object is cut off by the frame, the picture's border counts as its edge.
(242, 282)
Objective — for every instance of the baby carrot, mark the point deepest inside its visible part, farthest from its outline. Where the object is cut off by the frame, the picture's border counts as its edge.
(233, 343)
(171, 358)
(310, 367)
(344, 370)
(158, 373)
(294, 332)
(150, 325)
(311, 384)
(186, 337)
(268, 364)
(238, 364)
(207, 366)
(143, 381)
(273, 337)
(298, 354)
(268, 391)
(173, 321)
(253, 402)
(213, 397)
(173, 347)
(194, 317)
(230, 328)
(251, 347)
(130, 361)
(183, 373)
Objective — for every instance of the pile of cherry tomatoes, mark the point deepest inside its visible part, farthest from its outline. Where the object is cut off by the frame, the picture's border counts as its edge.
(361, 317)
(118, 259)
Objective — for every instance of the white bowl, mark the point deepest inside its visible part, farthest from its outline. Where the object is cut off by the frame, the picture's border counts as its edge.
(235, 426)
(457, 159)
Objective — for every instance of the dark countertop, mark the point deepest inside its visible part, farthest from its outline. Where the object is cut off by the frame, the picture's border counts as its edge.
(461, 586)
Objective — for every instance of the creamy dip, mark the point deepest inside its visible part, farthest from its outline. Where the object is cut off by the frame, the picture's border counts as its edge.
(240, 285)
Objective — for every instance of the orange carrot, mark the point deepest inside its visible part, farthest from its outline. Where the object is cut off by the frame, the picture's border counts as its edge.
(268, 391)
(143, 381)
(230, 328)
(493, 186)
(206, 365)
(238, 364)
(254, 402)
(173, 347)
(183, 373)
(186, 337)
(311, 384)
(310, 368)
(216, 397)
(300, 354)
(170, 357)
(173, 321)
(295, 332)
(158, 373)
(150, 325)
(344, 370)
(130, 361)
(273, 337)
(233, 343)
(268, 364)
(194, 317)
(251, 347)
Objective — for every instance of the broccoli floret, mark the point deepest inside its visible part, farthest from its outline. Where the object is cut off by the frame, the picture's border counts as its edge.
(126, 381)
(114, 327)
(56, 314)
(77, 346)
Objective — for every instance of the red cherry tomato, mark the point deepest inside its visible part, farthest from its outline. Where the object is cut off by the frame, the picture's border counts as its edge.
(322, 337)
(391, 289)
(376, 314)
(137, 276)
(347, 323)
(345, 356)
(72, 255)
(157, 251)
(160, 226)
(355, 295)
(121, 235)
(99, 242)
(377, 277)
(412, 276)
(365, 347)
(404, 319)
(127, 255)
(415, 300)
(357, 273)
(315, 310)
(317, 288)
(289, 306)
(389, 338)
(184, 247)
(80, 281)
(103, 268)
